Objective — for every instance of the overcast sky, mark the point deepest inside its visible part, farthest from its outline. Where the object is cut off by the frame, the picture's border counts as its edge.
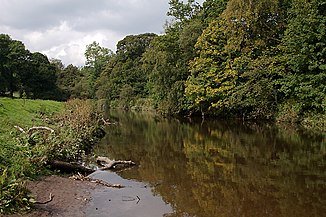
(62, 28)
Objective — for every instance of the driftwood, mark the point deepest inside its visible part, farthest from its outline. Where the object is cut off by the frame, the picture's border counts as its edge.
(104, 162)
(81, 177)
(30, 130)
(108, 164)
(69, 167)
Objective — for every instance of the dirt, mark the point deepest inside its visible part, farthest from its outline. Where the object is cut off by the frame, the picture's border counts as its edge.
(69, 197)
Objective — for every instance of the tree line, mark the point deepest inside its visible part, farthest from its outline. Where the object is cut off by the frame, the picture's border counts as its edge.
(232, 58)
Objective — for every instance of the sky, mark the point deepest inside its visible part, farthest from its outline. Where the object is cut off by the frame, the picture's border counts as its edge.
(61, 29)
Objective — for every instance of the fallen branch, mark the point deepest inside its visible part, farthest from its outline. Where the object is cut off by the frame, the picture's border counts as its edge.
(108, 164)
(69, 167)
(34, 129)
(39, 128)
(80, 177)
(45, 202)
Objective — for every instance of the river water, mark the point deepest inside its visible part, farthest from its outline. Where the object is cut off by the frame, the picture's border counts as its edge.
(210, 168)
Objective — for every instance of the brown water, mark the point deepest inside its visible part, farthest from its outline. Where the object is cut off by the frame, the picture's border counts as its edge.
(211, 168)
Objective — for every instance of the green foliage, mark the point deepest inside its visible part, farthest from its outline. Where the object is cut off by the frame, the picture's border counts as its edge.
(31, 74)
(305, 55)
(68, 79)
(183, 11)
(211, 78)
(17, 158)
(250, 59)
(123, 80)
(97, 57)
(24, 155)
(79, 132)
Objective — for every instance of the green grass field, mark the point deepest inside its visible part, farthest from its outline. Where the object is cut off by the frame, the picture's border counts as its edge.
(23, 113)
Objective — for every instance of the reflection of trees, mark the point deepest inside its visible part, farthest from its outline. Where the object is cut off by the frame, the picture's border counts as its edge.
(218, 169)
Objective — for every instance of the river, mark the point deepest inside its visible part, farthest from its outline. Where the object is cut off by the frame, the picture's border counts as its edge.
(210, 168)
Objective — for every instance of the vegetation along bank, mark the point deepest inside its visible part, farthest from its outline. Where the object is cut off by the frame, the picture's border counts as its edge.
(226, 58)
(35, 133)
(261, 60)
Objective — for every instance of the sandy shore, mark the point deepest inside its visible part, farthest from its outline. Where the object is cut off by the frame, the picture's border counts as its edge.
(69, 197)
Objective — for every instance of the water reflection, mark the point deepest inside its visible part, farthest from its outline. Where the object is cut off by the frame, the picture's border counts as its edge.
(136, 199)
(215, 168)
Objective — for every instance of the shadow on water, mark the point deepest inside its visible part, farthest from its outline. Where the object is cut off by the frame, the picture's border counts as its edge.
(213, 168)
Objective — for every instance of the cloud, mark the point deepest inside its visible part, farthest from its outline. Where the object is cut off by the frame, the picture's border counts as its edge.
(62, 28)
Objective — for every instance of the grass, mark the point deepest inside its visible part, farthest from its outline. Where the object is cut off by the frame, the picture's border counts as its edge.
(15, 155)
(76, 125)
(26, 112)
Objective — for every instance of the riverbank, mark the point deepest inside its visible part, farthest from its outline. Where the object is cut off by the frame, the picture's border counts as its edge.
(69, 197)
(35, 133)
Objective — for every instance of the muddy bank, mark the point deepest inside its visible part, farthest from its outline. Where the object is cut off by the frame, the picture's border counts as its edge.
(69, 197)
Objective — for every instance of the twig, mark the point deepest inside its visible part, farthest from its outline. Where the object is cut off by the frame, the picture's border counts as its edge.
(97, 181)
(20, 129)
(48, 201)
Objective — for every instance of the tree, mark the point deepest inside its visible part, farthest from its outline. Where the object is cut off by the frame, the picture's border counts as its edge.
(212, 77)
(183, 11)
(133, 46)
(304, 57)
(13, 59)
(165, 69)
(123, 79)
(67, 79)
(5, 40)
(40, 78)
(97, 57)
(212, 9)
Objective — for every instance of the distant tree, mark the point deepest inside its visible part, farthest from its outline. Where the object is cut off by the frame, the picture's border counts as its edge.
(124, 79)
(13, 57)
(5, 41)
(182, 11)
(67, 80)
(133, 46)
(97, 57)
(58, 64)
(40, 80)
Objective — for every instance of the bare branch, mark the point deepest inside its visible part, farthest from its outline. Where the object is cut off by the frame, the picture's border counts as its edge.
(110, 164)
(34, 129)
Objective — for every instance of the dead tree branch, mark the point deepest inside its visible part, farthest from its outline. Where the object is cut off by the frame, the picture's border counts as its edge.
(108, 164)
(80, 177)
(69, 167)
(30, 130)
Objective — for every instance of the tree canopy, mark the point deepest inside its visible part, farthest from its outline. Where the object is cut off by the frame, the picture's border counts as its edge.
(250, 59)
